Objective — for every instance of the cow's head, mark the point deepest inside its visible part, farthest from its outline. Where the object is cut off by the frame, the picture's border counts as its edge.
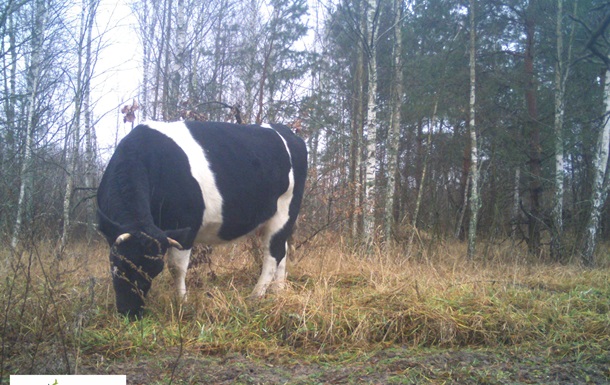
(136, 257)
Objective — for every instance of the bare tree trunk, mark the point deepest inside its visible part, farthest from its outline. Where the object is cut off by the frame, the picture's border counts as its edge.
(516, 203)
(90, 142)
(600, 184)
(10, 87)
(557, 212)
(371, 124)
(393, 134)
(533, 125)
(462, 212)
(34, 72)
(81, 109)
(420, 192)
(167, 108)
(562, 72)
(176, 65)
(355, 144)
(158, 102)
(475, 200)
(73, 135)
(261, 87)
(147, 34)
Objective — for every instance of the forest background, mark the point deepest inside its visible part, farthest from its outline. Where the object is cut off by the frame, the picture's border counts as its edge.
(480, 120)
(455, 222)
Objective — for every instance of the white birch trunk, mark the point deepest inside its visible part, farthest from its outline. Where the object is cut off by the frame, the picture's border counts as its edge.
(73, 135)
(145, 59)
(475, 201)
(562, 72)
(557, 212)
(371, 125)
(34, 76)
(599, 190)
(393, 135)
(89, 134)
(164, 76)
(177, 62)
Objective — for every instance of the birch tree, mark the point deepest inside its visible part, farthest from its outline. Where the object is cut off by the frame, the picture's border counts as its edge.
(533, 130)
(562, 72)
(176, 53)
(33, 79)
(600, 186)
(557, 212)
(356, 134)
(475, 200)
(601, 183)
(371, 122)
(82, 114)
(9, 57)
(90, 137)
(393, 135)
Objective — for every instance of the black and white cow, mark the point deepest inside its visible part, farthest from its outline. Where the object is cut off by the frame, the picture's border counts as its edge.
(171, 185)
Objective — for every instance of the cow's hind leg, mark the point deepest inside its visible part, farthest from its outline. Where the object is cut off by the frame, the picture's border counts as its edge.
(178, 263)
(274, 260)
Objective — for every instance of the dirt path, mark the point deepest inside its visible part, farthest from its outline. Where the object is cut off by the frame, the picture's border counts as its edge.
(390, 366)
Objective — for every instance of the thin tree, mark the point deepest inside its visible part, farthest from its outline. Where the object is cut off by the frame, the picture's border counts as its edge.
(562, 71)
(394, 133)
(557, 212)
(600, 187)
(420, 191)
(533, 125)
(371, 122)
(601, 184)
(90, 137)
(475, 200)
(355, 143)
(33, 79)
(176, 55)
(73, 135)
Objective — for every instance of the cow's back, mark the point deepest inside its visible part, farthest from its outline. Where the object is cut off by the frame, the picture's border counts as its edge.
(222, 180)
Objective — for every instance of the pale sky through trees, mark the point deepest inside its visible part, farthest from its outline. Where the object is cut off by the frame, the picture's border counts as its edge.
(117, 73)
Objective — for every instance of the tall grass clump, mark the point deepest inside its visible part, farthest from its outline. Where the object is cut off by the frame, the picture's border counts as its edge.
(59, 315)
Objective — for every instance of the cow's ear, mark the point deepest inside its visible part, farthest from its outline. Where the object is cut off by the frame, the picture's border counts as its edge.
(182, 236)
(108, 227)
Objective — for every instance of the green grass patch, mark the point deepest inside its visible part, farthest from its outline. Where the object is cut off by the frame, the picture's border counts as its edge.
(59, 314)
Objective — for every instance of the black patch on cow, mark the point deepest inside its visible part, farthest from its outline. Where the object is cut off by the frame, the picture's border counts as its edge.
(148, 187)
(251, 167)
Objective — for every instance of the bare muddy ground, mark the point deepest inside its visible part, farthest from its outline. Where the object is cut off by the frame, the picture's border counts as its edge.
(390, 366)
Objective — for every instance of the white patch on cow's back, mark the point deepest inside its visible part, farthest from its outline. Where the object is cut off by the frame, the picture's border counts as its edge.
(277, 222)
(201, 171)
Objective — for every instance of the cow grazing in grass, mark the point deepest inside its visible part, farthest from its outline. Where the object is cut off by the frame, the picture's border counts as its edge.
(171, 185)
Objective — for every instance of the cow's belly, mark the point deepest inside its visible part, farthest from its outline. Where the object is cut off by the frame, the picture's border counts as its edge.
(212, 233)
(208, 234)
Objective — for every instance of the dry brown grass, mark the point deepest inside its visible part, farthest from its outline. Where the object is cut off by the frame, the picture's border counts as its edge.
(339, 300)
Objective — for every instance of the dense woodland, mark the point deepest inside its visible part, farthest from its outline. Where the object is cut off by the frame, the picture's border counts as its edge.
(485, 121)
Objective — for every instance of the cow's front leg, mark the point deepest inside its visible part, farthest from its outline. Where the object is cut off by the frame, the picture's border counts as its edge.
(178, 263)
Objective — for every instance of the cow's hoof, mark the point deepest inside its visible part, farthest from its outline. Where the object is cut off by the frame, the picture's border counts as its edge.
(278, 287)
(257, 294)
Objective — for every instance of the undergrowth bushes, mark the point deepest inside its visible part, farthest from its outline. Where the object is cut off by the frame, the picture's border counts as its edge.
(58, 313)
